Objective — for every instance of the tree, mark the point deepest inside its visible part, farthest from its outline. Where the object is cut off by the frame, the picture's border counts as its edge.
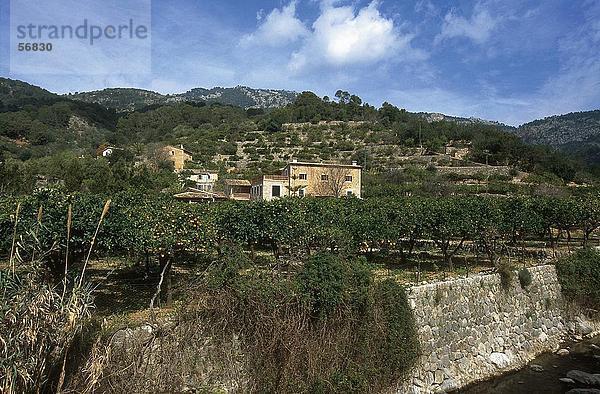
(332, 181)
(342, 96)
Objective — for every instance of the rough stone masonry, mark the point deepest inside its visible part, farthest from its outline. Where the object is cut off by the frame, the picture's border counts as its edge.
(472, 329)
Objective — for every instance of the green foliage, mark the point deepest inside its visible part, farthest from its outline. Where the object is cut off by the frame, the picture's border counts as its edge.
(507, 275)
(225, 270)
(579, 277)
(525, 278)
(357, 334)
(299, 225)
(41, 124)
(327, 280)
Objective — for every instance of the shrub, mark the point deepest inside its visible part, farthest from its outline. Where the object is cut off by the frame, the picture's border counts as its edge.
(525, 277)
(327, 280)
(506, 275)
(330, 328)
(579, 277)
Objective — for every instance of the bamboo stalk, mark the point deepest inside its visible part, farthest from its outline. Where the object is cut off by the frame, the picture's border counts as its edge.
(104, 212)
(14, 240)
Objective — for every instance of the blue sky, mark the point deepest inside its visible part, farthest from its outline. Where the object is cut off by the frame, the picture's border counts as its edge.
(506, 60)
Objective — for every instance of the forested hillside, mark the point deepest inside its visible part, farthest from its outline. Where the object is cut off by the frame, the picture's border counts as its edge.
(577, 134)
(563, 129)
(57, 137)
(126, 99)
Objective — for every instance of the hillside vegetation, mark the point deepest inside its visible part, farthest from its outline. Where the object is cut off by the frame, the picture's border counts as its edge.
(53, 136)
(577, 134)
(124, 99)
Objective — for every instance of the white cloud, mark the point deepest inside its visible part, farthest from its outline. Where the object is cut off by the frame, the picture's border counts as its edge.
(280, 27)
(478, 28)
(344, 36)
(426, 7)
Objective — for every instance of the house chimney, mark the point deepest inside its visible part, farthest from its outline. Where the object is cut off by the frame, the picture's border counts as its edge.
(294, 160)
(354, 162)
(181, 146)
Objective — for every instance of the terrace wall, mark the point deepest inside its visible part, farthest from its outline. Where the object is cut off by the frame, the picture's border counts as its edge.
(472, 329)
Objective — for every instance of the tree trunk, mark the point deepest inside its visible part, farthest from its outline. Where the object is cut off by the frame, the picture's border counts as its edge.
(165, 266)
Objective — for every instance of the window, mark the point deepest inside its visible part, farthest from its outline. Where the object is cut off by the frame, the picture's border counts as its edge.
(172, 153)
(276, 191)
(303, 177)
(324, 177)
(349, 193)
(301, 193)
(348, 178)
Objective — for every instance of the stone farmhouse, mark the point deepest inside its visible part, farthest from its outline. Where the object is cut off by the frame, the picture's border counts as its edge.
(177, 155)
(309, 179)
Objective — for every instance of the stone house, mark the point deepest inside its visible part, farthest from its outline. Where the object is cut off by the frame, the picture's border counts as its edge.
(177, 155)
(269, 187)
(309, 179)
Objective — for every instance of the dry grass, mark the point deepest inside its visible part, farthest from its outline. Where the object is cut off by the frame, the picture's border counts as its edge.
(37, 327)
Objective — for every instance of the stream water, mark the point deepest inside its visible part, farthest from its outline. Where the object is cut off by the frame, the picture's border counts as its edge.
(583, 356)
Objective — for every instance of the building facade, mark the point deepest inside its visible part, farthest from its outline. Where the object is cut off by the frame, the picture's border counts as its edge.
(202, 179)
(269, 187)
(323, 179)
(301, 179)
(177, 155)
(237, 189)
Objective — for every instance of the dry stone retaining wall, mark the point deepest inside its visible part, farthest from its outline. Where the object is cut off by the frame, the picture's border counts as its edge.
(472, 329)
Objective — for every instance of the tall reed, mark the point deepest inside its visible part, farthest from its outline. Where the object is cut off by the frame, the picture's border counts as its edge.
(87, 259)
(69, 220)
(14, 239)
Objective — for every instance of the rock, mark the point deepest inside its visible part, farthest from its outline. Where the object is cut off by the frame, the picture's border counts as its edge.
(536, 368)
(566, 381)
(500, 360)
(449, 385)
(562, 352)
(583, 391)
(585, 378)
(594, 346)
(583, 327)
(438, 377)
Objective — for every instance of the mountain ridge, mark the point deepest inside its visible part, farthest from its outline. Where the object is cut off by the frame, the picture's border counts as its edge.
(576, 133)
(131, 99)
(558, 130)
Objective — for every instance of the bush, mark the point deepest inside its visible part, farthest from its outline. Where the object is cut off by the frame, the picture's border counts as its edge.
(579, 277)
(330, 328)
(327, 280)
(525, 277)
(506, 275)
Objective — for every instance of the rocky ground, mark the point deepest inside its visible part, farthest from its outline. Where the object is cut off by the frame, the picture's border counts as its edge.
(573, 369)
